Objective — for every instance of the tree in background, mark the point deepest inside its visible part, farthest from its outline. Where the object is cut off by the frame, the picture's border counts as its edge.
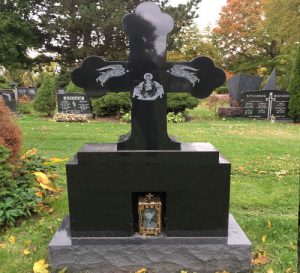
(45, 100)
(72, 88)
(79, 28)
(251, 39)
(18, 32)
(294, 90)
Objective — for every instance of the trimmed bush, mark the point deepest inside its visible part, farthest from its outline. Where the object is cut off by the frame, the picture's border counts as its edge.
(294, 90)
(24, 105)
(72, 88)
(179, 102)
(10, 133)
(112, 104)
(45, 100)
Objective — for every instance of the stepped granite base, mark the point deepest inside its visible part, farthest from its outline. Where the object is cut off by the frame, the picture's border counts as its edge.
(158, 254)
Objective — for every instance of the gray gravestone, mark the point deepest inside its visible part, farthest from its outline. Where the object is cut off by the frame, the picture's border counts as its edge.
(271, 82)
(22, 91)
(241, 83)
(31, 92)
(264, 104)
(74, 103)
(60, 91)
(9, 98)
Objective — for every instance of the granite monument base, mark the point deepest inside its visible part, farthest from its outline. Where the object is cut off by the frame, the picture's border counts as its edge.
(158, 254)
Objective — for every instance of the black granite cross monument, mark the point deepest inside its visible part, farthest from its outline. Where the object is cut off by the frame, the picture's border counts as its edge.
(148, 77)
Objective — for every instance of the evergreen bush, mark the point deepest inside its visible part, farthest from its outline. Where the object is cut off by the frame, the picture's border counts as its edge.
(294, 90)
(112, 104)
(10, 133)
(179, 102)
(45, 100)
(72, 88)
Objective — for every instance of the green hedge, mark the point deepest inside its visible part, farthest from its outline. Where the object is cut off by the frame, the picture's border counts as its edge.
(179, 102)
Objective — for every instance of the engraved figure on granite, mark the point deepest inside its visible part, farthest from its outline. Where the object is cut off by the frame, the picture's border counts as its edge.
(110, 71)
(148, 89)
(184, 71)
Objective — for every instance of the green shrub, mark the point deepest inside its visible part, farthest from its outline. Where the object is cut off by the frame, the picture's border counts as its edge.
(112, 104)
(72, 88)
(294, 90)
(45, 100)
(126, 117)
(175, 118)
(222, 90)
(19, 187)
(179, 102)
(24, 107)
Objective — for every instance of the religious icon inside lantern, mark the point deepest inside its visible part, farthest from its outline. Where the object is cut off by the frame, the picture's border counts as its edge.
(149, 211)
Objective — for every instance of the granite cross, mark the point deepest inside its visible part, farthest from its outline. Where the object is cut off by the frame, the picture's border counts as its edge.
(148, 77)
(270, 100)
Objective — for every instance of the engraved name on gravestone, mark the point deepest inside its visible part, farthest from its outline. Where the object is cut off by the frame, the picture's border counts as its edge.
(9, 98)
(264, 104)
(73, 103)
(148, 77)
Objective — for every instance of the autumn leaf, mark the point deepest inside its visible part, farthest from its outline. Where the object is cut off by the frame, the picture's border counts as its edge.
(269, 224)
(42, 178)
(142, 270)
(40, 267)
(3, 245)
(58, 160)
(39, 194)
(12, 239)
(270, 270)
(264, 238)
(26, 252)
(29, 153)
(259, 258)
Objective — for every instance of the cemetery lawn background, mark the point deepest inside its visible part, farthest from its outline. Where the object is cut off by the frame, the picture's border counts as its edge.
(264, 182)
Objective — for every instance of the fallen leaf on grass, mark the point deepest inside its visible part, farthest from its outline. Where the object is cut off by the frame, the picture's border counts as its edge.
(26, 252)
(142, 270)
(12, 239)
(58, 160)
(289, 270)
(269, 224)
(3, 245)
(270, 270)
(39, 194)
(40, 267)
(264, 238)
(281, 173)
(259, 258)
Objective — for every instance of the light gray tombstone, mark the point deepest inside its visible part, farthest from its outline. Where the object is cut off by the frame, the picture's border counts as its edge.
(271, 82)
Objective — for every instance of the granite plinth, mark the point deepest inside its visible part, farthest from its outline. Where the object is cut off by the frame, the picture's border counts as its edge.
(104, 185)
(158, 254)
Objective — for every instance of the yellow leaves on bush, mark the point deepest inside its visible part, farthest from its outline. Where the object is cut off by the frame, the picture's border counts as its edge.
(40, 267)
(259, 257)
(12, 239)
(142, 270)
(29, 153)
(44, 181)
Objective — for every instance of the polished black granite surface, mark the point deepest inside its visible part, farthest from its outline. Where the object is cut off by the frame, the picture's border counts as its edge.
(102, 181)
(148, 77)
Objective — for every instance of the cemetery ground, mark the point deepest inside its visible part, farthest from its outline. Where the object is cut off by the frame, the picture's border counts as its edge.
(264, 182)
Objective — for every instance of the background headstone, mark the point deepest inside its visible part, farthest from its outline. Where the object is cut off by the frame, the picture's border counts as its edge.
(271, 82)
(22, 91)
(31, 92)
(264, 104)
(9, 98)
(60, 91)
(74, 103)
(241, 83)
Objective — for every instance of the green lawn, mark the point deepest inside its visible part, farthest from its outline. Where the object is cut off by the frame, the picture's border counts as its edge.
(264, 182)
